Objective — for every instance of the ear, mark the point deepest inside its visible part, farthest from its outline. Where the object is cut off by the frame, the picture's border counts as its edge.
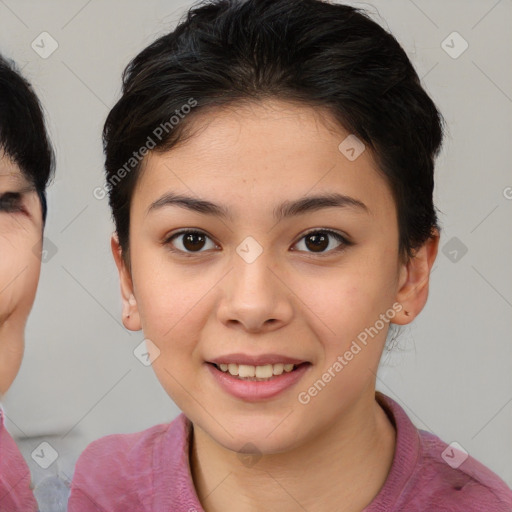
(131, 317)
(414, 280)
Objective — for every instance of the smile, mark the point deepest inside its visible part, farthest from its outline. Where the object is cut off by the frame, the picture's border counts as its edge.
(255, 383)
(249, 372)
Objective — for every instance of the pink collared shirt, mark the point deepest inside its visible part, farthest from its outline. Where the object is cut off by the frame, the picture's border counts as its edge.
(150, 471)
(15, 492)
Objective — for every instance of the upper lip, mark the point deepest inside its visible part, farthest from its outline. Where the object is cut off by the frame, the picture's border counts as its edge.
(255, 360)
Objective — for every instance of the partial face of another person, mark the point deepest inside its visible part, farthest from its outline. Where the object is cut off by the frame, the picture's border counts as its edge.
(265, 278)
(21, 226)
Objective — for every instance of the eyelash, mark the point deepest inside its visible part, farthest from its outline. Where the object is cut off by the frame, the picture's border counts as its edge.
(11, 202)
(340, 238)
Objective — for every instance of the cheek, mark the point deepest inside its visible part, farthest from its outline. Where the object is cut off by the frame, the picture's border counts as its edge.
(20, 267)
(169, 300)
(344, 300)
(174, 308)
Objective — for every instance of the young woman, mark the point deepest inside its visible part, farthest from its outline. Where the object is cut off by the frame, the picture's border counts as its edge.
(270, 168)
(26, 164)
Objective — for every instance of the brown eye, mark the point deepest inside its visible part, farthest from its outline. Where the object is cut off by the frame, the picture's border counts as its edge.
(188, 242)
(11, 202)
(319, 241)
(191, 242)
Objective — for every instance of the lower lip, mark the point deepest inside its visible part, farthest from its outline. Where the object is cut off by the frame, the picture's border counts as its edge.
(257, 390)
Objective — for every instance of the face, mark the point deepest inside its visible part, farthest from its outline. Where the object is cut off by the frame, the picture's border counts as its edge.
(20, 263)
(280, 277)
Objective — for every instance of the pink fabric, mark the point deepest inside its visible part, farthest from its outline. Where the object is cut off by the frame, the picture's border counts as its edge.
(15, 492)
(149, 471)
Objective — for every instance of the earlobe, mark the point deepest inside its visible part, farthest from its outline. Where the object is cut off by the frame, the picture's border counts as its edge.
(414, 280)
(131, 317)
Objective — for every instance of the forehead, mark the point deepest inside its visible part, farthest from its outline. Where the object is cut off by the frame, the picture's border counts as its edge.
(243, 127)
(274, 149)
(10, 173)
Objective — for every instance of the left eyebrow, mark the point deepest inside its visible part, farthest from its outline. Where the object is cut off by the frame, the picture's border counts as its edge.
(284, 210)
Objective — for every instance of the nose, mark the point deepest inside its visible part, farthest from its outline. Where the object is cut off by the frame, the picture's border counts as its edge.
(254, 296)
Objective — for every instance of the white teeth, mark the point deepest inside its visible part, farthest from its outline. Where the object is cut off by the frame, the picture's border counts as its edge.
(244, 370)
(264, 372)
(278, 368)
(260, 372)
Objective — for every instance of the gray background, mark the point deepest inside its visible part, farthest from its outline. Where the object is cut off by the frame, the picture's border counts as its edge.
(453, 370)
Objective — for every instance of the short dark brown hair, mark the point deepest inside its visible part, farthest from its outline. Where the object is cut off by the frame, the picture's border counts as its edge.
(309, 51)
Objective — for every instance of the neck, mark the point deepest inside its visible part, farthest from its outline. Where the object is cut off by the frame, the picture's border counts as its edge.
(342, 469)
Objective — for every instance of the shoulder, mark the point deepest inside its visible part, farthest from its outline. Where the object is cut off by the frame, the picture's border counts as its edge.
(118, 449)
(455, 481)
(15, 490)
(116, 471)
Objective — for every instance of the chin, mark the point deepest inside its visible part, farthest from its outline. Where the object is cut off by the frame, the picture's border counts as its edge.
(253, 436)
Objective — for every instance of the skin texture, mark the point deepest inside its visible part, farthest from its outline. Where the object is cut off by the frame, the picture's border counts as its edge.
(333, 453)
(20, 265)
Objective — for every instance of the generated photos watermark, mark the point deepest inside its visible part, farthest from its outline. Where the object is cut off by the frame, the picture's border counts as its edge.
(304, 397)
(151, 142)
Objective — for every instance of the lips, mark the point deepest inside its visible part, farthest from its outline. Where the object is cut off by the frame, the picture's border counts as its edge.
(263, 385)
